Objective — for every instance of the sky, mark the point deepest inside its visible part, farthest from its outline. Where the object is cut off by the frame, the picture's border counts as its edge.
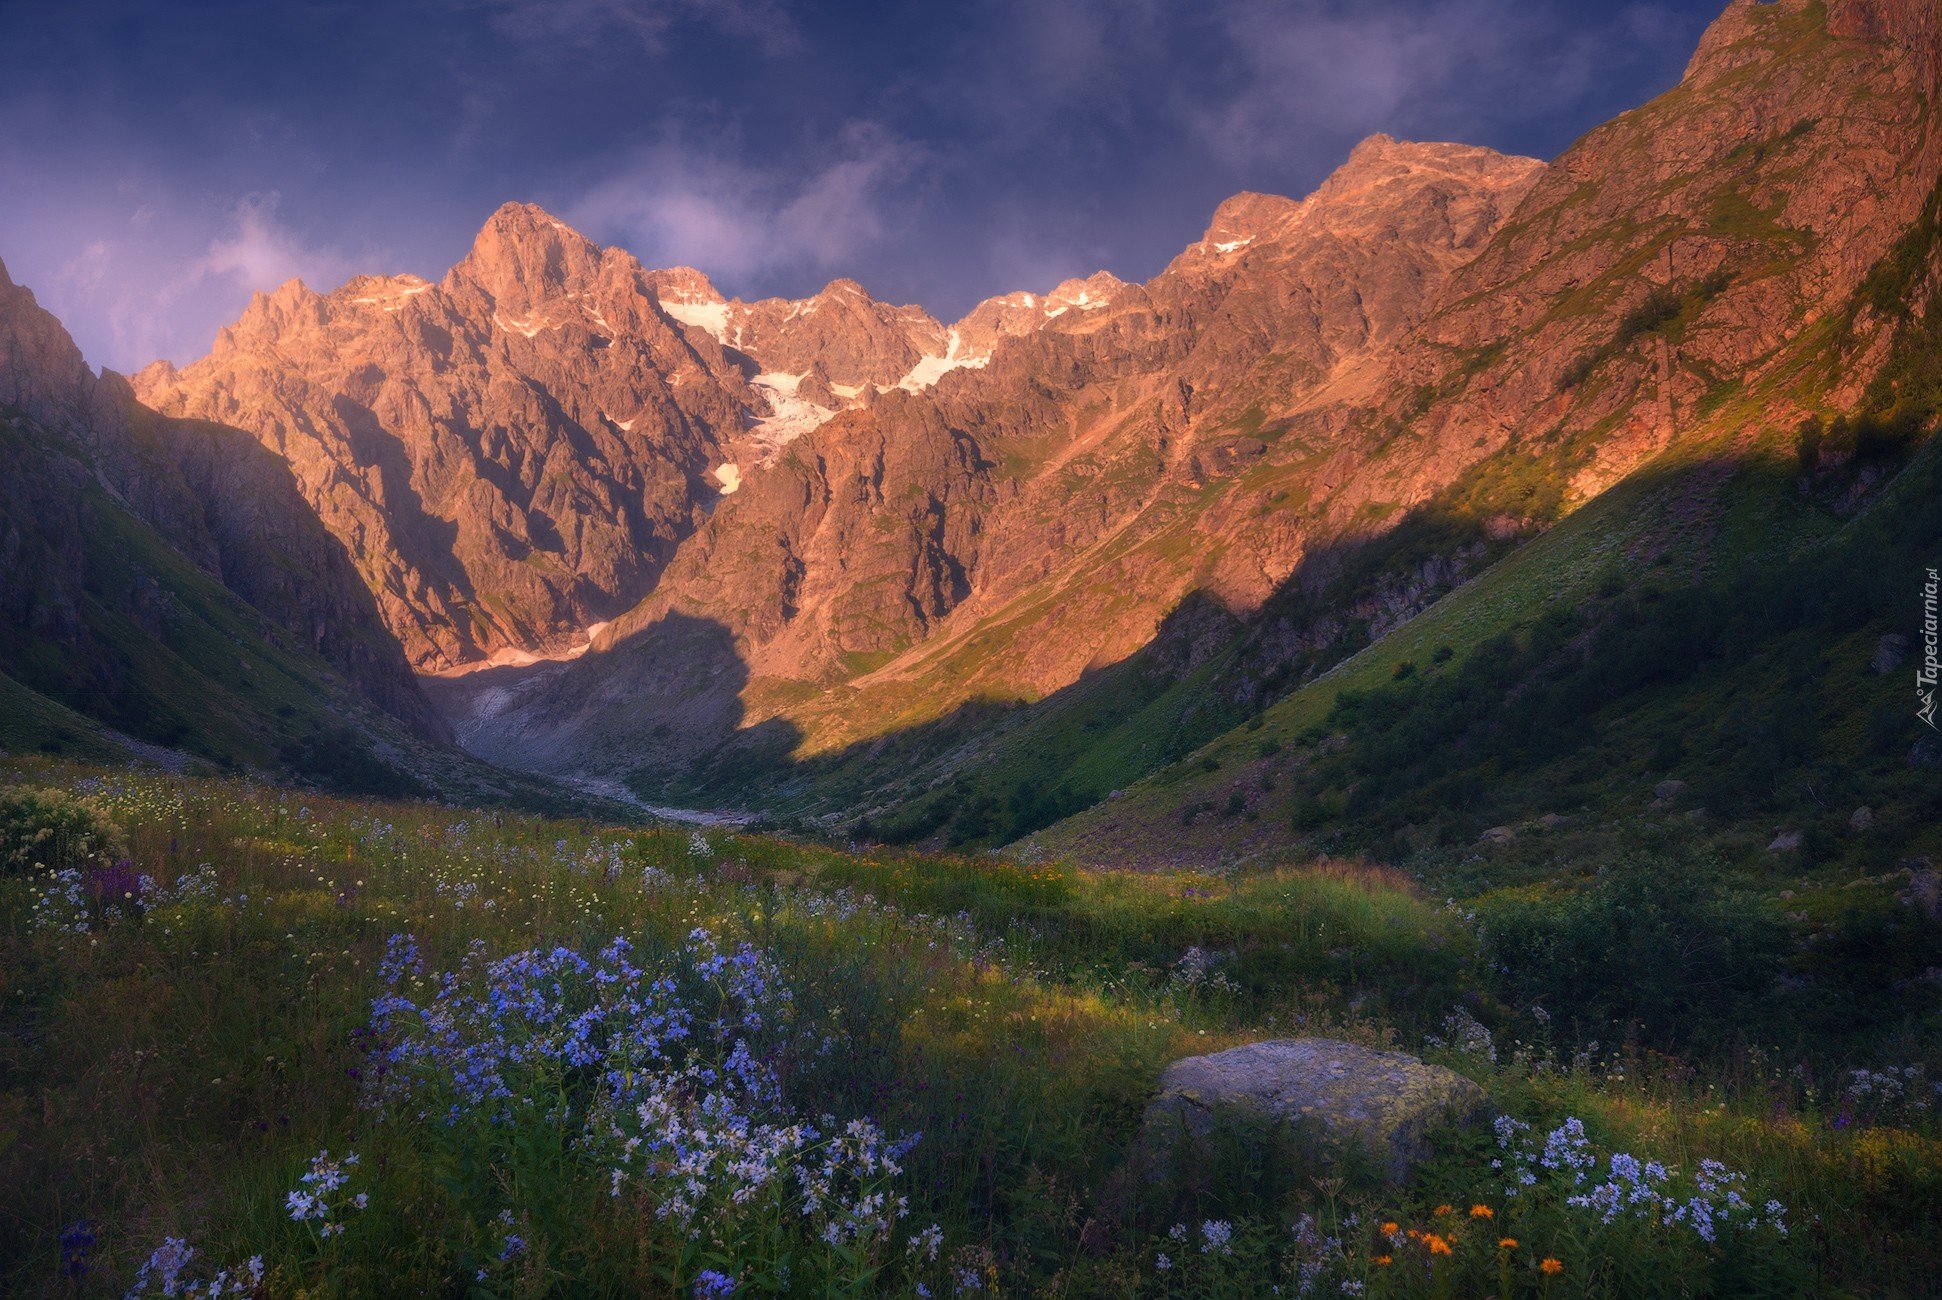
(160, 162)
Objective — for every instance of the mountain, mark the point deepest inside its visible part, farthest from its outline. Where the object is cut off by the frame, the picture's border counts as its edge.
(166, 594)
(840, 559)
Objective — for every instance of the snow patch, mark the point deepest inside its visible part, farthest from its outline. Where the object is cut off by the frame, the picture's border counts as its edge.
(709, 316)
(394, 300)
(1050, 312)
(1230, 247)
(625, 426)
(525, 327)
(929, 369)
(730, 477)
(794, 416)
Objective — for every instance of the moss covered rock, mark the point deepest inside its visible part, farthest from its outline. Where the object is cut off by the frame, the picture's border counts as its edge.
(1384, 1102)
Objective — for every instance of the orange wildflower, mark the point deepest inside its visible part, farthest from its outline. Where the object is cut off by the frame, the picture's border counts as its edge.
(1379, 1259)
(1442, 1209)
(1437, 1245)
(1552, 1266)
(1508, 1243)
(1482, 1212)
(1388, 1229)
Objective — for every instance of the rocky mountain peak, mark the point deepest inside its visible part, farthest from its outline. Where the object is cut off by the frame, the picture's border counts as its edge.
(41, 371)
(525, 257)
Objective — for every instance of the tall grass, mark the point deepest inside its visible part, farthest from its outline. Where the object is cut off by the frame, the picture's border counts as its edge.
(174, 1061)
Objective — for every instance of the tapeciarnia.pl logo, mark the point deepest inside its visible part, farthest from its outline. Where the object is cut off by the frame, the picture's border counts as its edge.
(1925, 675)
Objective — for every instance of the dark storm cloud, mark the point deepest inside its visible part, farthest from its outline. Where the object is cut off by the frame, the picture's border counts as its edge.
(159, 162)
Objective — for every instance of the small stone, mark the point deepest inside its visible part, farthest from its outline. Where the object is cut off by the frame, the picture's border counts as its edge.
(1786, 893)
(1497, 835)
(1863, 818)
(1549, 820)
(1784, 841)
(1389, 1101)
(1889, 652)
(1670, 789)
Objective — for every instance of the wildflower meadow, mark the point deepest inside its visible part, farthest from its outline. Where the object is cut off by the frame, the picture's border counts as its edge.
(266, 1042)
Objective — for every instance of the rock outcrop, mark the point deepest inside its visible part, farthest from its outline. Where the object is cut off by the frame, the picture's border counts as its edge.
(1385, 1103)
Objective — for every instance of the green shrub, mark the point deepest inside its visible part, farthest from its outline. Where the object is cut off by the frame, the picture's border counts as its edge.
(1661, 943)
(51, 830)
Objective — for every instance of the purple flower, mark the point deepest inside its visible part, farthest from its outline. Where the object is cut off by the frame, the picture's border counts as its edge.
(709, 1284)
(76, 1240)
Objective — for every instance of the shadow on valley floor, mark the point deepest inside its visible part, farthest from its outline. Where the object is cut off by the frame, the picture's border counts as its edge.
(667, 709)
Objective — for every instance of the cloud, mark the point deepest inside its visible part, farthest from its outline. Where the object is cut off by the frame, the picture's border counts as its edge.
(587, 24)
(1450, 70)
(678, 205)
(260, 253)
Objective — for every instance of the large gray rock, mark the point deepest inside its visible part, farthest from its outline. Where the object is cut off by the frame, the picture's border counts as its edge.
(1889, 652)
(1387, 1102)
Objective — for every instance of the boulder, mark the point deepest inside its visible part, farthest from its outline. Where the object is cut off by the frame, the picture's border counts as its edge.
(1670, 789)
(1551, 821)
(1889, 652)
(1497, 835)
(1386, 1102)
(1783, 841)
(1863, 818)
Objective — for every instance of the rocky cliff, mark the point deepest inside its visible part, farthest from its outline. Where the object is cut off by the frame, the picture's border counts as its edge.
(216, 497)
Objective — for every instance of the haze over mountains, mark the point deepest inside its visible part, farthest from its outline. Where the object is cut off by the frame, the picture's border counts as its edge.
(635, 533)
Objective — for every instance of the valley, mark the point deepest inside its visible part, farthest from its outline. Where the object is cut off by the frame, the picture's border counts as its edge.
(696, 791)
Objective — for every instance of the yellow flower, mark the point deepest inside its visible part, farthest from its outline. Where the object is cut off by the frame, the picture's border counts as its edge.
(1508, 1243)
(1552, 1266)
(1482, 1212)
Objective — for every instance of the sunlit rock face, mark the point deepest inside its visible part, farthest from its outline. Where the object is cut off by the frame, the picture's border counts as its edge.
(843, 517)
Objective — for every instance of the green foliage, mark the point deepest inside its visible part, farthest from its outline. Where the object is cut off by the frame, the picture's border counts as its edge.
(1764, 719)
(1657, 941)
(343, 759)
(1662, 306)
(52, 830)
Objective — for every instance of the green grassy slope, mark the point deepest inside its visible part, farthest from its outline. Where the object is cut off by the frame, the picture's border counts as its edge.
(162, 652)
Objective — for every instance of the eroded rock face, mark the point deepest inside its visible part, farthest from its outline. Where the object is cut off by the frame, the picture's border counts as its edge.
(1386, 1102)
(510, 455)
(1078, 482)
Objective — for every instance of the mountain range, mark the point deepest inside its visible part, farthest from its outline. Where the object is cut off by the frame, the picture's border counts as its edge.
(838, 562)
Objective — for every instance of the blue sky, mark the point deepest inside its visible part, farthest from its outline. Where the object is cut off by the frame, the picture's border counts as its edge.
(161, 161)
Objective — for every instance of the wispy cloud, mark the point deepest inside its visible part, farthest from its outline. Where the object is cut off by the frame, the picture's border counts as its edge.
(258, 252)
(677, 204)
(645, 24)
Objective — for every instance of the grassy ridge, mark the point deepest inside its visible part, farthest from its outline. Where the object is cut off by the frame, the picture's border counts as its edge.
(173, 1070)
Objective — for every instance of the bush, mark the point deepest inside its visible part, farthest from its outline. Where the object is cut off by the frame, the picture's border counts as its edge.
(1661, 943)
(51, 830)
